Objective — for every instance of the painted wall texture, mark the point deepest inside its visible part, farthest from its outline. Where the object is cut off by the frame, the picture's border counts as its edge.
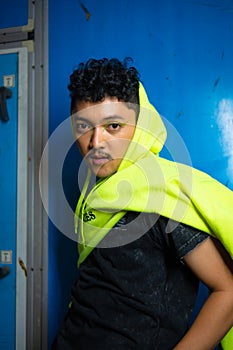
(184, 53)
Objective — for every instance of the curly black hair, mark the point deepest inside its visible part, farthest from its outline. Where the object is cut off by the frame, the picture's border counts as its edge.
(94, 80)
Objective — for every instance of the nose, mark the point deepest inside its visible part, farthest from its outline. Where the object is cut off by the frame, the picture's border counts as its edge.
(97, 137)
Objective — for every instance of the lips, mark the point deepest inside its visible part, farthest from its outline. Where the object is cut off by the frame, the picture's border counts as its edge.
(99, 159)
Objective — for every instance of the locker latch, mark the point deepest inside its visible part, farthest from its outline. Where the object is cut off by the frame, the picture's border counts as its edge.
(5, 93)
(4, 271)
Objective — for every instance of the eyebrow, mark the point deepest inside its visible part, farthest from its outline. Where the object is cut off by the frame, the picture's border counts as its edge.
(108, 118)
(113, 117)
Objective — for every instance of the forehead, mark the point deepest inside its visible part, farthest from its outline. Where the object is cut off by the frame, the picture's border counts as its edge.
(109, 108)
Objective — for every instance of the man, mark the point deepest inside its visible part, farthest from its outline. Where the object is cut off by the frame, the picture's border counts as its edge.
(142, 245)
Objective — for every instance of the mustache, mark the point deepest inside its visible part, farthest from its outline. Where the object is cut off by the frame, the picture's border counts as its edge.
(98, 154)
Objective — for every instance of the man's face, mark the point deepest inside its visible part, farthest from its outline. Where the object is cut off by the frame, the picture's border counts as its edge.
(103, 131)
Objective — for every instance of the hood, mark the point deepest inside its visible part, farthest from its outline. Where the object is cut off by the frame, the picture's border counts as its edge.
(150, 133)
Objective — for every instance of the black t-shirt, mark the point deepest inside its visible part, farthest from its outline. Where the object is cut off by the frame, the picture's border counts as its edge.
(139, 295)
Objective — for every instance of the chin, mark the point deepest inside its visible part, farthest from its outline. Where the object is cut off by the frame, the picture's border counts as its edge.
(105, 170)
(102, 173)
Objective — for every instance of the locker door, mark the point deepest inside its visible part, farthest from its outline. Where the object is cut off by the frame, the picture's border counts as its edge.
(8, 163)
(12, 242)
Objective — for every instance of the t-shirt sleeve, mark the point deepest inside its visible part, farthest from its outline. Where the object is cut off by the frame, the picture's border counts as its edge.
(185, 238)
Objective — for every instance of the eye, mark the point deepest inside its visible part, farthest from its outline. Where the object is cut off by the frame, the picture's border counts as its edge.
(113, 126)
(82, 127)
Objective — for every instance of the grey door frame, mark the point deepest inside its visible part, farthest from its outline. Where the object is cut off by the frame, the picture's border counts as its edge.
(32, 220)
(21, 227)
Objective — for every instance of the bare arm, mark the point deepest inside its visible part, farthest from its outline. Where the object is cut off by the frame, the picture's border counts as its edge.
(216, 315)
(224, 254)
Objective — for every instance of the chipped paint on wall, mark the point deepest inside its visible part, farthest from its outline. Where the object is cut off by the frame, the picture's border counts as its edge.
(225, 123)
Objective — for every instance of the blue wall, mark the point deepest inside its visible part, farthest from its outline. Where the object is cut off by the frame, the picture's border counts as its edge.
(183, 50)
(14, 13)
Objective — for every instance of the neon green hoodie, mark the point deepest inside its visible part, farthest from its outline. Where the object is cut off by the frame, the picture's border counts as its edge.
(145, 182)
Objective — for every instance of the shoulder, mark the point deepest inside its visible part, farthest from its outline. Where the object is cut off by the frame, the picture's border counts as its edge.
(178, 237)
